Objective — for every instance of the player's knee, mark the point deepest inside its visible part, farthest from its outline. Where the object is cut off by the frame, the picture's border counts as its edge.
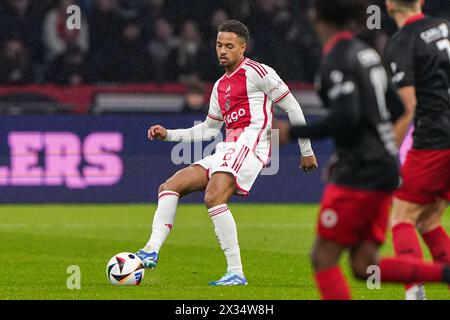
(404, 212)
(162, 187)
(359, 270)
(431, 219)
(317, 261)
(168, 187)
(212, 199)
(427, 225)
(314, 260)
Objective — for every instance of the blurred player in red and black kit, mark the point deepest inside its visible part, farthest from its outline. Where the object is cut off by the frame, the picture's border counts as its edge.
(355, 205)
(419, 59)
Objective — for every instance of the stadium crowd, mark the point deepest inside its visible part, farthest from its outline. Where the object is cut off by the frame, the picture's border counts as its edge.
(133, 41)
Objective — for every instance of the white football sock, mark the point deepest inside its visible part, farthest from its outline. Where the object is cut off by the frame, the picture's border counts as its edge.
(416, 292)
(163, 220)
(226, 232)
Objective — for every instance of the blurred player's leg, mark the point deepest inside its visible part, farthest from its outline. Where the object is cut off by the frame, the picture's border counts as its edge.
(218, 192)
(403, 269)
(185, 181)
(405, 239)
(328, 275)
(434, 235)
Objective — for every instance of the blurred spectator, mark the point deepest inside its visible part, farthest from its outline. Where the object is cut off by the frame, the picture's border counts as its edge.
(152, 11)
(210, 69)
(68, 68)
(239, 9)
(194, 100)
(161, 47)
(18, 18)
(104, 25)
(15, 64)
(169, 40)
(262, 29)
(217, 18)
(285, 29)
(130, 62)
(57, 37)
(129, 9)
(440, 8)
(154, 8)
(197, 11)
(299, 47)
(184, 61)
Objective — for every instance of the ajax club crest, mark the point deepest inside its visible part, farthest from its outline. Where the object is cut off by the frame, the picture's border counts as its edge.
(227, 104)
(227, 98)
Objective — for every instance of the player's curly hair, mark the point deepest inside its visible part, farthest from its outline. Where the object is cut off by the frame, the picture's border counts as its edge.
(340, 13)
(237, 27)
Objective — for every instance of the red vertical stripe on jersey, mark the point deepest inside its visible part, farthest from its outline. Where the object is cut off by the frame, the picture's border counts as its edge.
(264, 125)
(270, 142)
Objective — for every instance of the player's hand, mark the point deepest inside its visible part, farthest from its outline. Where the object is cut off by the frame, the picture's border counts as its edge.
(308, 164)
(157, 132)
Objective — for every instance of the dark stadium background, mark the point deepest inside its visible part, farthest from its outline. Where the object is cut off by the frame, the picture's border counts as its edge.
(135, 63)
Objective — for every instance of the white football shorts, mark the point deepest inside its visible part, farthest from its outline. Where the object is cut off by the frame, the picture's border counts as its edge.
(237, 159)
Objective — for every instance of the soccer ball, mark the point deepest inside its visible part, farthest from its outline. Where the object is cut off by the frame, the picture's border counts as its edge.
(125, 269)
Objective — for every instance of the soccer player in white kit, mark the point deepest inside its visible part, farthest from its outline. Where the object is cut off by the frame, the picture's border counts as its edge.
(242, 98)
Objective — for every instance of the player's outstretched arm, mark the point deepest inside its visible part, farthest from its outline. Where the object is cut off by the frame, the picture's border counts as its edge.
(207, 130)
(289, 104)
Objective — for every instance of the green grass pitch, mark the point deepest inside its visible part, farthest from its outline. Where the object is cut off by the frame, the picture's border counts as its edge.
(39, 242)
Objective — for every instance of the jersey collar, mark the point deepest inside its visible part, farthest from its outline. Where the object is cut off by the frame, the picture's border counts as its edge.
(415, 18)
(237, 69)
(331, 43)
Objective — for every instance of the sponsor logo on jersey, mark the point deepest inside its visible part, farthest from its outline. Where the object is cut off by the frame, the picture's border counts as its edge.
(336, 76)
(397, 76)
(276, 87)
(339, 89)
(235, 116)
(368, 58)
(434, 34)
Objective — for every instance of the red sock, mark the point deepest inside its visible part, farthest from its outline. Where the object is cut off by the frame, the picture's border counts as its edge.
(409, 270)
(332, 284)
(406, 243)
(438, 242)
